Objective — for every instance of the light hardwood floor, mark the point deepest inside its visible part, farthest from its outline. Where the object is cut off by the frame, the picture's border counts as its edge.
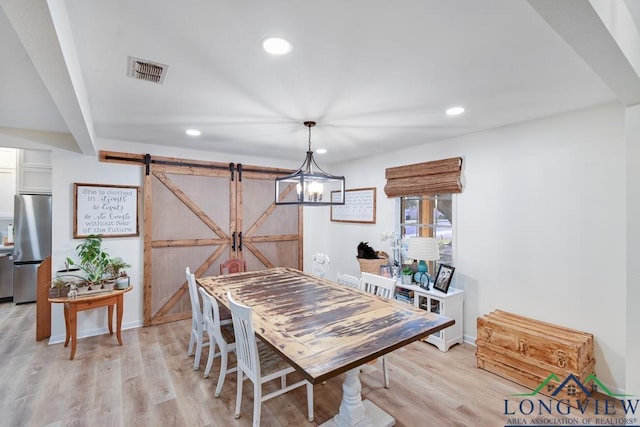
(150, 382)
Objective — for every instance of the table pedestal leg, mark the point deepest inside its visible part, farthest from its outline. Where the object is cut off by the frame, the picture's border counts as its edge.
(355, 412)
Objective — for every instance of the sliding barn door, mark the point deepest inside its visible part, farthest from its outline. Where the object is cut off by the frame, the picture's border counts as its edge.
(198, 215)
(188, 215)
(271, 235)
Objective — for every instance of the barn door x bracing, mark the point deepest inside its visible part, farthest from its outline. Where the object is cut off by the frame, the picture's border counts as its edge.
(198, 214)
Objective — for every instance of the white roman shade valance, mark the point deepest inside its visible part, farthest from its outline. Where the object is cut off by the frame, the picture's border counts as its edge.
(428, 178)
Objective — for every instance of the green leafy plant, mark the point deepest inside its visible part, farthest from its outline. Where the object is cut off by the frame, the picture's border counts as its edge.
(94, 261)
(58, 283)
(59, 287)
(407, 271)
(116, 268)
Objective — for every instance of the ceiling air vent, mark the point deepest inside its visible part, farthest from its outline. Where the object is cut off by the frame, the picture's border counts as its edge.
(142, 69)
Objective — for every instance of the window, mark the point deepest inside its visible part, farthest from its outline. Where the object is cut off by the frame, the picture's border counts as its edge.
(429, 216)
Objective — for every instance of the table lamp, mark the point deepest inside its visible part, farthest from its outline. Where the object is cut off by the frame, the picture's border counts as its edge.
(423, 249)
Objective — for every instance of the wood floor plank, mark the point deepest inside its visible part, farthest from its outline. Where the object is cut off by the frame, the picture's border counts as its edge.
(108, 396)
(149, 381)
(132, 363)
(181, 373)
(54, 378)
(137, 409)
(160, 386)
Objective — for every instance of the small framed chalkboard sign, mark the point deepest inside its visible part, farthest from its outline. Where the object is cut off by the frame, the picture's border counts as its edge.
(108, 210)
(359, 206)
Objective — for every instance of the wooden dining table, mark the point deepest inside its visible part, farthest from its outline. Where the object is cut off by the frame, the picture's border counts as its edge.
(325, 329)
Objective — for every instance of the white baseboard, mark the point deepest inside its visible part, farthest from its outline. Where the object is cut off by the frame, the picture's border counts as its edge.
(469, 339)
(57, 339)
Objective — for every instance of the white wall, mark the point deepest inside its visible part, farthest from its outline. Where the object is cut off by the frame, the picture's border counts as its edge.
(70, 167)
(633, 248)
(540, 224)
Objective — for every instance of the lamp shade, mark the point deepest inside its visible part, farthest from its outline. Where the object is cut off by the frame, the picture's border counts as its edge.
(423, 248)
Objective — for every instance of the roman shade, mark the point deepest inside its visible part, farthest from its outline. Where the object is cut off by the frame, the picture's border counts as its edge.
(428, 178)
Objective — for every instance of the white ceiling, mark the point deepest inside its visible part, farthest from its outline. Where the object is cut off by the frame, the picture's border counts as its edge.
(376, 75)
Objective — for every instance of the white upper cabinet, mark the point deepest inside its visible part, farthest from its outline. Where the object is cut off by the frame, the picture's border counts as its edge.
(7, 181)
(34, 172)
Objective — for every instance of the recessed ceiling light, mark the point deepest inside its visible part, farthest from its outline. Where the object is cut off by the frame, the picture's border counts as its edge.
(193, 132)
(322, 151)
(454, 111)
(276, 46)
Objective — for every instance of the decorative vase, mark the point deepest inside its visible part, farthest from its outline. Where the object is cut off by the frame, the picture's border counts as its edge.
(122, 282)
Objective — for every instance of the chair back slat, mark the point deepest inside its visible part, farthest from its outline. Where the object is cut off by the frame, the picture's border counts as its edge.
(196, 311)
(207, 311)
(246, 346)
(378, 285)
(348, 280)
(211, 314)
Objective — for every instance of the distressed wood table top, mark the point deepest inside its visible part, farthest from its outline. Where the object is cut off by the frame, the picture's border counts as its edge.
(321, 327)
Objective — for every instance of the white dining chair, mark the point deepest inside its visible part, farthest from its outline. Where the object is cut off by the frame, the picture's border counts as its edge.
(197, 323)
(385, 288)
(378, 285)
(259, 363)
(220, 334)
(348, 280)
(321, 263)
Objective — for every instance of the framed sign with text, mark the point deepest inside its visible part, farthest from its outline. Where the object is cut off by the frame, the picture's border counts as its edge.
(359, 206)
(108, 210)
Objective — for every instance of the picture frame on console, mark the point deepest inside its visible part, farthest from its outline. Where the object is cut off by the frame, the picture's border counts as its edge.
(443, 278)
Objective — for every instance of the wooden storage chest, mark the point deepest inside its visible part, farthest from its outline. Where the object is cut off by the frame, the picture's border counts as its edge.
(528, 351)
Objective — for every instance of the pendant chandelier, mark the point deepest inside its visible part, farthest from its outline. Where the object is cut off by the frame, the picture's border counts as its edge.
(312, 185)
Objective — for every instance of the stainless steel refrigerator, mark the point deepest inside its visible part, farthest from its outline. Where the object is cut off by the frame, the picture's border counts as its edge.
(31, 242)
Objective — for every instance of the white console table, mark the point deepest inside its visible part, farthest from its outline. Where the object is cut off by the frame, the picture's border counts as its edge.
(449, 304)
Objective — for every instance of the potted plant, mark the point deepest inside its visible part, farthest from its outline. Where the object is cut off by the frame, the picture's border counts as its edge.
(116, 272)
(59, 288)
(94, 261)
(407, 275)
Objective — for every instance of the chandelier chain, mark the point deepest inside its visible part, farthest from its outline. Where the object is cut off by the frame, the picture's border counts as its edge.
(309, 124)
